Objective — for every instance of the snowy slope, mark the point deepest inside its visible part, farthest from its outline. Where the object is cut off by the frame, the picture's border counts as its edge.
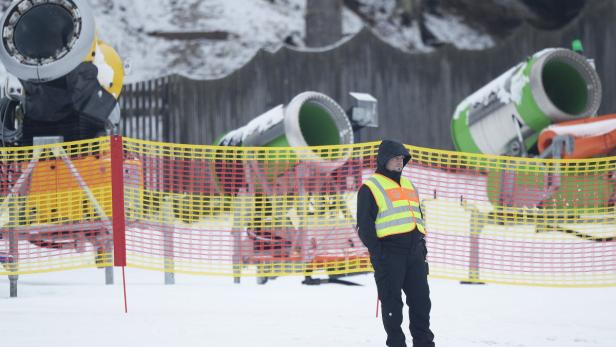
(249, 25)
(74, 308)
(445, 27)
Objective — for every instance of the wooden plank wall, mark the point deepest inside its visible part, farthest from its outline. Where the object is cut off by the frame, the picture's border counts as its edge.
(417, 93)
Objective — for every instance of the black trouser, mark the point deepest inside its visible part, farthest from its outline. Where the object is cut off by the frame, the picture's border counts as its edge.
(395, 271)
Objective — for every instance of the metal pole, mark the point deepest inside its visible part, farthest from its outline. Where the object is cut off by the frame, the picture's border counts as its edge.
(477, 224)
(59, 152)
(237, 267)
(109, 275)
(13, 251)
(168, 247)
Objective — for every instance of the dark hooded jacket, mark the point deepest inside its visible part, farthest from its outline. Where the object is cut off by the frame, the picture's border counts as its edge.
(367, 209)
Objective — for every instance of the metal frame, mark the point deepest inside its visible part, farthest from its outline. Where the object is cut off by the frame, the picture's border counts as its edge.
(20, 188)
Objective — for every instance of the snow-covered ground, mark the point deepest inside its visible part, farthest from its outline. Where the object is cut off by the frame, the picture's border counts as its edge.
(75, 308)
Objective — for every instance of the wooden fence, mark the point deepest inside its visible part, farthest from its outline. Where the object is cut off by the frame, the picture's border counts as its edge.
(417, 93)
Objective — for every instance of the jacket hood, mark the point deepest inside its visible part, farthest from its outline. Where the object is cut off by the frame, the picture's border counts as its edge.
(389, 149)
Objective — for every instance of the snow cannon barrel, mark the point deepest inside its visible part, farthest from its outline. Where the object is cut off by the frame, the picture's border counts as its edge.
(506, 116)
(69, 78)
(310, 119)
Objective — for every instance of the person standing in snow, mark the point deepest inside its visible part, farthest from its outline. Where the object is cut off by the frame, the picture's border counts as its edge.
(390, 224)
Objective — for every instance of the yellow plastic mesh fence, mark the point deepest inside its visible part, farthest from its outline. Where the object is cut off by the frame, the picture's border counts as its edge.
(519, 220)
(55, 207)
(283, 211)
(237, 211)
(246, 211)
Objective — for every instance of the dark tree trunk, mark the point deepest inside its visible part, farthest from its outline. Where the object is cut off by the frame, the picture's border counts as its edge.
(323, 22)
(410, 10)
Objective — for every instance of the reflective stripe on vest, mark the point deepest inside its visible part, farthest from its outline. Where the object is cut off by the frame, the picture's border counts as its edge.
(399, 210)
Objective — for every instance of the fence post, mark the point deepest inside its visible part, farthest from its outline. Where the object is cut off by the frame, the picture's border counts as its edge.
(117, 193)
(119, 217)
(476, 225)
(13, 263)
(236, 234)
(168, 231)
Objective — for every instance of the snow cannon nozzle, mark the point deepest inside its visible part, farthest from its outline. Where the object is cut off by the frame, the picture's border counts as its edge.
(309, 119)
(42, 41)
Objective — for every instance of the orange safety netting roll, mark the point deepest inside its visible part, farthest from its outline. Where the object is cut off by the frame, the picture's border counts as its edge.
(238, 211)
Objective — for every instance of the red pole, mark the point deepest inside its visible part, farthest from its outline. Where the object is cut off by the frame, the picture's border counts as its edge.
(377, 307)
(118, 218)
(117, 193)
(124, 285)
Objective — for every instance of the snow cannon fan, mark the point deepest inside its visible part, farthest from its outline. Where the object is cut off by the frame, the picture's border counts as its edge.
(506, 116)
(69, 81)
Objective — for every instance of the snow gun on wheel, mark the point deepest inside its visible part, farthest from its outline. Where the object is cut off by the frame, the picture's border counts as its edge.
(297, 176)
(63, 86)
(544, 107)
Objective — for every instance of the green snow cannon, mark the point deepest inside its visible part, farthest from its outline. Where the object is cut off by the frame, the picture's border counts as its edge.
(506, 116)
(310, 119)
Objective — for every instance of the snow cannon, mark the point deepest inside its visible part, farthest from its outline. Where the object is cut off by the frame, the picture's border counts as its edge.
(68, 81)
(63, 85)
(310, 119)
(301, 176)
(506, 116)
(583, 138)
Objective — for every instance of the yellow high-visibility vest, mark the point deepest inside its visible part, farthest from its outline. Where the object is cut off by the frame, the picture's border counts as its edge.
(398, 204)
